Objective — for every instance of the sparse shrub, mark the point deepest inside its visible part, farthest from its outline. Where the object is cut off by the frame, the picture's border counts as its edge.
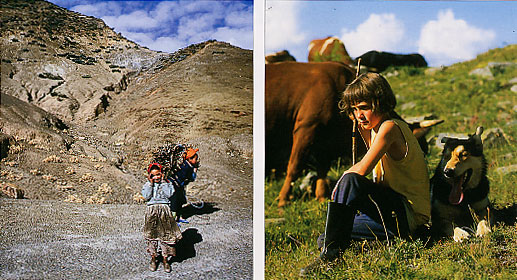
(49, 177)
(11, 163)
(35, 172)
(85, 178)
(70, 171)
(53, 159)
(73, 198)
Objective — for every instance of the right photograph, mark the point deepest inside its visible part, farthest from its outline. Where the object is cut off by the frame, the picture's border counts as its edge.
(390, 144)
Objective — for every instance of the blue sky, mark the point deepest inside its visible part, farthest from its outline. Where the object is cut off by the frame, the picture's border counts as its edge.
(170, 25)
(444, 32)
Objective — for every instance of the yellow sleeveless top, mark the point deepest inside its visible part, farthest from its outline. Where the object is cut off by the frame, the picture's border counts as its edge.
(408, 177)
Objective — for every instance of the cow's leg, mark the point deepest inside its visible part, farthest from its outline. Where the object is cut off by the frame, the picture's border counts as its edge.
(322, 182)
(302, 137)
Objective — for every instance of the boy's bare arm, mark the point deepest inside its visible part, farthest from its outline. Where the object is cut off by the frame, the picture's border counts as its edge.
(384, 139)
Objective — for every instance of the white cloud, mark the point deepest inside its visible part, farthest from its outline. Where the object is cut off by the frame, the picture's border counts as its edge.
(135, 20)
(241, 37)
(168, 26)
(98, 9)
(166, 44)
(192, 26)
(448, 40)
(381, 32)
(281, 30)
(164, 11)
(239, 18)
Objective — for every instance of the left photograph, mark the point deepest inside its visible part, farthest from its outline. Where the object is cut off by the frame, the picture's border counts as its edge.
(126, 134)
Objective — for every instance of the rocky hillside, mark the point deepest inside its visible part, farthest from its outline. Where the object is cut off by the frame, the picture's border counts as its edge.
(84, 108)
(65, 62)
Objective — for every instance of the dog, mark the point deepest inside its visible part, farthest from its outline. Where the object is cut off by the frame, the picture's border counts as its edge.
(459, 190)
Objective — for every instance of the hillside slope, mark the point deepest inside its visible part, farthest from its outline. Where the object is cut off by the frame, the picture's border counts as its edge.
(201, 94)
(64, 62)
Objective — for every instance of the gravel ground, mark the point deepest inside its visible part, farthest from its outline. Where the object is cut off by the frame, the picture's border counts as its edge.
(58, 240)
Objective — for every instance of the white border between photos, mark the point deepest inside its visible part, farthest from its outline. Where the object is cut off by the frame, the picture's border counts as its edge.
(258, 139)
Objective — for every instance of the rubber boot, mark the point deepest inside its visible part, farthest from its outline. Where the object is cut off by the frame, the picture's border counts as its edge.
(338, 230)
(166, 265)
(153, 265)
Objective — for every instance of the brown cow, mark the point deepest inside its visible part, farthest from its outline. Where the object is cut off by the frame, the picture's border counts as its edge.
(329, 49)
(279, 57)
(301, 102)
(303, 122)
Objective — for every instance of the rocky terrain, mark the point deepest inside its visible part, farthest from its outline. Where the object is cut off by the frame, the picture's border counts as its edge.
(82, 110)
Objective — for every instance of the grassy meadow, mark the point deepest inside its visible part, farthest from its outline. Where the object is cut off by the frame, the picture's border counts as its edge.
(464, 102)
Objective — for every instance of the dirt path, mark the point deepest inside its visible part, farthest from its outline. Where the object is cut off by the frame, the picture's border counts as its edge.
(57, 240)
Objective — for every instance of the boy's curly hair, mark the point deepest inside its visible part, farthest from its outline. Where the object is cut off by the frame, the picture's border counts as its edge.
(371, 88)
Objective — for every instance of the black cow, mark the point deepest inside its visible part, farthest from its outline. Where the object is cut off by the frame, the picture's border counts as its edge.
(380, 61)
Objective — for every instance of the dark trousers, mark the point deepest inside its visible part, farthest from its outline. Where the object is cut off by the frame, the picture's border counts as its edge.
(357, 192)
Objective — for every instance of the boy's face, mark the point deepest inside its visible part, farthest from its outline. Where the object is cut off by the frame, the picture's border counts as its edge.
(193, 160)
(367, 118)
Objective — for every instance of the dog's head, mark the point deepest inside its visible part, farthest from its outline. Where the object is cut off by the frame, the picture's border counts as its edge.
(462, 164)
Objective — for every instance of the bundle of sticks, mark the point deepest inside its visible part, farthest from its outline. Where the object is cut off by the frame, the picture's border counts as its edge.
(170, 156)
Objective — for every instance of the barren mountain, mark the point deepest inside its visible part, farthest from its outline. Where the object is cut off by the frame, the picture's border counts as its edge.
(83, 108)
(76, 122)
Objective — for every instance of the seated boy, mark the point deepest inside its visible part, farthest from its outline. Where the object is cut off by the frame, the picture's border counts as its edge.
(397, 202)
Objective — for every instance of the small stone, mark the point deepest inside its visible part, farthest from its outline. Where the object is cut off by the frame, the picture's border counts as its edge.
(440, 136)
(274, 221)
(482, 72)
(494, 137)
(12, 190)
(434, 70)
(505, 170)
(407, 106)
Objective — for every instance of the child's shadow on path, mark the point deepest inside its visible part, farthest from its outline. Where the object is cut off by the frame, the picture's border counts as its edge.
(185, 247)
(208, 208)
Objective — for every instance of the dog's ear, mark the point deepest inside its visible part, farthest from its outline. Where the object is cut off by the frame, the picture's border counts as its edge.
(477, 136)
(477, 147)
(479, 131)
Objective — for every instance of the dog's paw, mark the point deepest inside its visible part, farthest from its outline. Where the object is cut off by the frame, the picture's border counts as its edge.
(483, 228)
(460, 234)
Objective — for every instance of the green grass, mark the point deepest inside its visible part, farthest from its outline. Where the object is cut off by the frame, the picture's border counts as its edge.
(464, 102)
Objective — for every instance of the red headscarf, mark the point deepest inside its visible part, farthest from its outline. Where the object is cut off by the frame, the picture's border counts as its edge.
(154, 164)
